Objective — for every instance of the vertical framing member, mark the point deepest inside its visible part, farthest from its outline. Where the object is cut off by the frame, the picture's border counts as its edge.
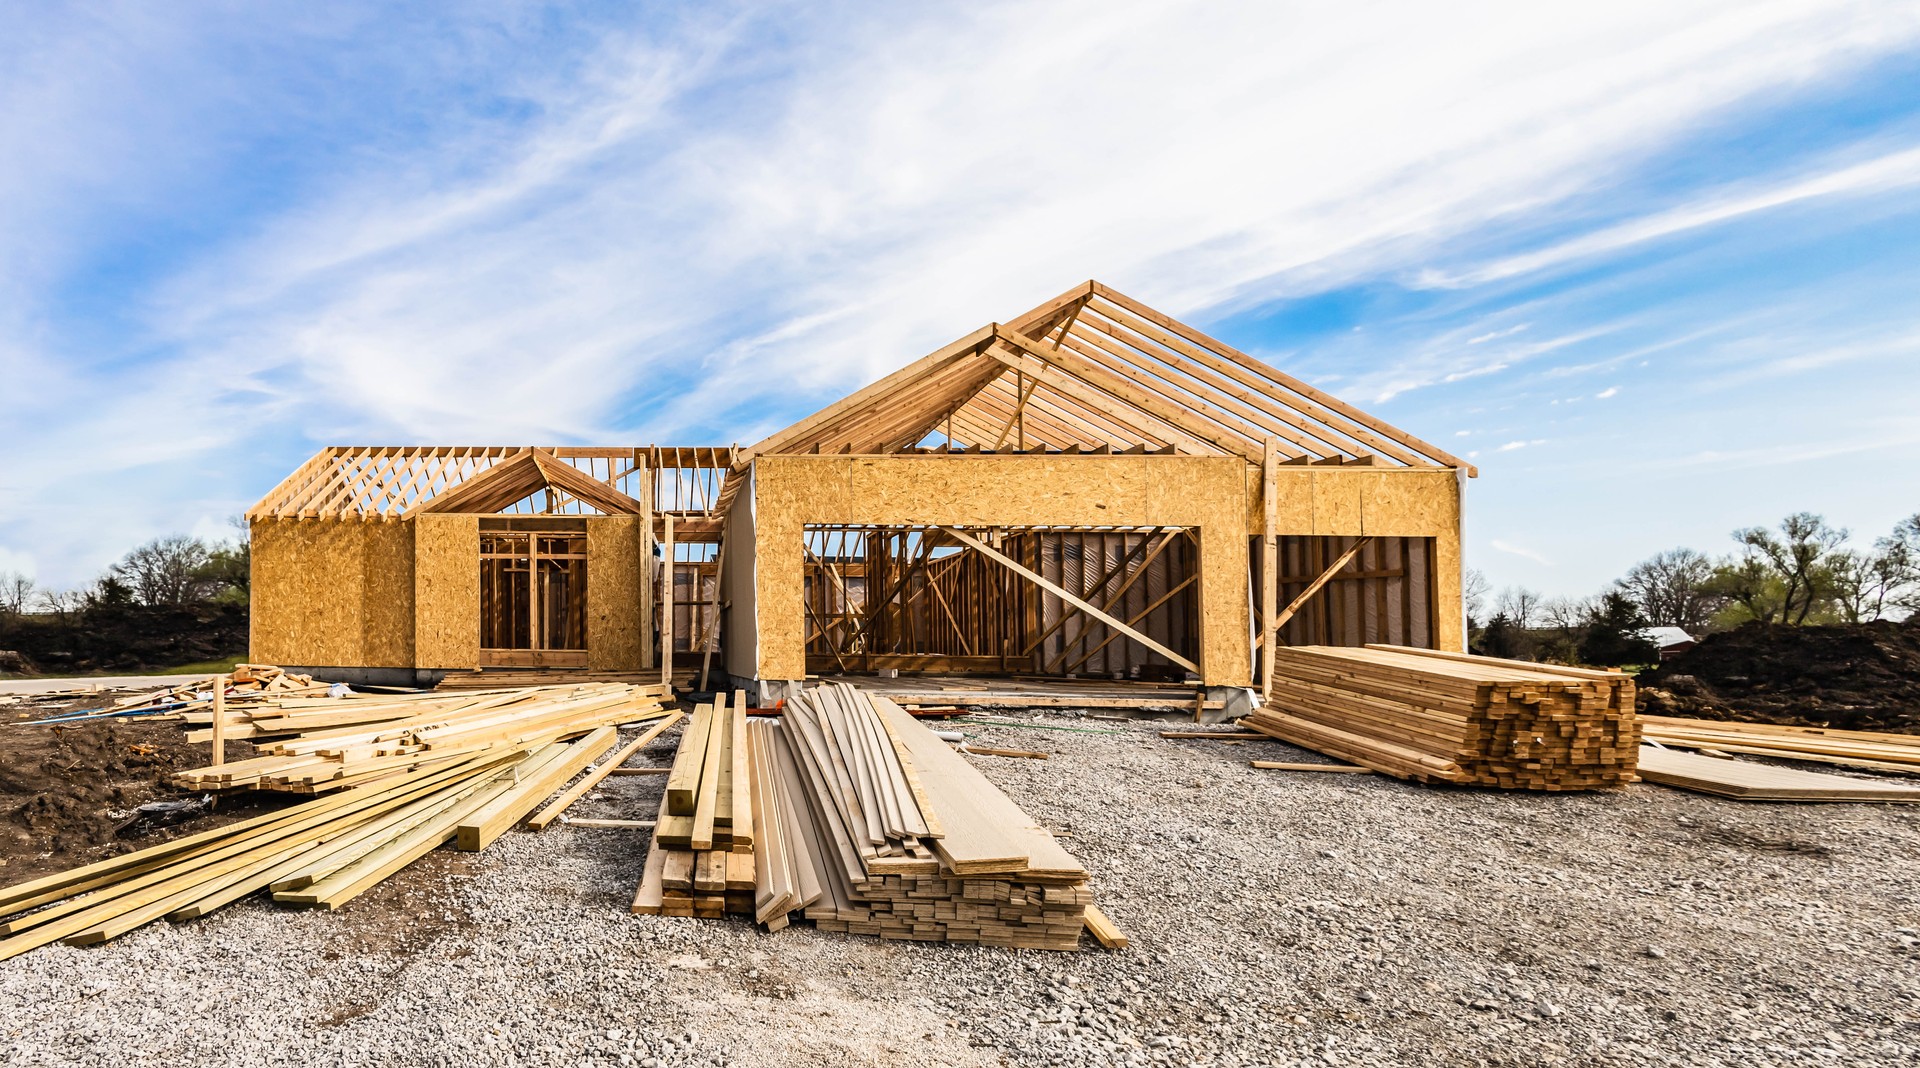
(1269, 564)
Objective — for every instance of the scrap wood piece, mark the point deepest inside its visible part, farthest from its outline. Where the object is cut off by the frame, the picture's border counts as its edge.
(592, 778)
(1104, 930)
(579, 821)
(968, 747)
(1215, 735)
(1281, 765)
(1749, 781)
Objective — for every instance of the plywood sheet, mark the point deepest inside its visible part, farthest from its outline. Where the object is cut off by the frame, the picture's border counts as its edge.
(332, 593)
(446, 585)
(1010, 490)
(1409, 504)
(386, 594)
(1336, 502)
(1750, 781)
(616, 633)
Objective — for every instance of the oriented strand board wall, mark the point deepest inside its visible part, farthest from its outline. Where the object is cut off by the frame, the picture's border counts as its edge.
(332, 593)
(446, 590)
(1191, 491)
(1395, 502)
(616, 631)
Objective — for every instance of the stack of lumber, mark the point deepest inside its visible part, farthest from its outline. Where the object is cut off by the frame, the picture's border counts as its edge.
(865, 822)
(702, 860)
(1430, 716)
(245, 685)
(321, 852)
(325, 745)
(1871, 750)
(1747, 780)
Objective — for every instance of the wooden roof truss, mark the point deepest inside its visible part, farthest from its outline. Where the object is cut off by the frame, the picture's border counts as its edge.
(390, 482)
(1094, 370)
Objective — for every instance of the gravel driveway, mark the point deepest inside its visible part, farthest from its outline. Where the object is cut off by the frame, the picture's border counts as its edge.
(1276, 918)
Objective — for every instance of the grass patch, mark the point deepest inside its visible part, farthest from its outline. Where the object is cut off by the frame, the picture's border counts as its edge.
(209, 667)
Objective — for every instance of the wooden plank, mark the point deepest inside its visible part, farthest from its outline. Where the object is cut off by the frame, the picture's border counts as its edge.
(683, 782)
(540, 776)
(591, 779)
(1281, 765)
(1104, 930)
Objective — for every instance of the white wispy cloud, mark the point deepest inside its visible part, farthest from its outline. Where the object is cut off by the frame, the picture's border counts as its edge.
(709, 224)
(1519, 550)
(1607, 393)
(1885, 173)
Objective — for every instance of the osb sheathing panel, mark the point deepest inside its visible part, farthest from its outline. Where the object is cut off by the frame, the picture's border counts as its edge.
(446, 590)
(615, 633)
(330, 593)
(1450, 630)
(387, 594)
(1206, 492)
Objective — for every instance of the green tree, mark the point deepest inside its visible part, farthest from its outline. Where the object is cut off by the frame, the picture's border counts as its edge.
(1784, 576)
(1615, 633)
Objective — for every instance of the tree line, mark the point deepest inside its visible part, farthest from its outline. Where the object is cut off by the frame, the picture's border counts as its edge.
(172, 572)
(1804, 571)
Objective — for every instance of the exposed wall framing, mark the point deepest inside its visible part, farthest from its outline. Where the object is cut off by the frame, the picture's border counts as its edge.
(915, 598)
(1385, 594)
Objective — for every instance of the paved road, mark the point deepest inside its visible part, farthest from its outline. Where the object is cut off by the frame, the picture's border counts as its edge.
(122, 682)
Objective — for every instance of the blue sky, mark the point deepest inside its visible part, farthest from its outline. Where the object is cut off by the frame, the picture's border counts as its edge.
(1654, 267)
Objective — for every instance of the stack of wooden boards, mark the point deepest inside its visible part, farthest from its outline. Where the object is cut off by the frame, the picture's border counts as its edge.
(1869, 750)
(702, 861)
(1431, 716)
(865, 822)
(323, 744)
(325, 851)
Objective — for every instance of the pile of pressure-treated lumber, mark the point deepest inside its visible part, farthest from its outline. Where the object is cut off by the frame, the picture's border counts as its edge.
(702, 861)
(324, 744)
(1447, 717)
(1872, 750)
(467, 787)
(865, 822)
(245, 685)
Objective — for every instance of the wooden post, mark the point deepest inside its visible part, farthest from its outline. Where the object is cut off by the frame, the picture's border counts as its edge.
(1269, 564)
(219, 720)
(712, 631)
(648, 494)
(666, 608)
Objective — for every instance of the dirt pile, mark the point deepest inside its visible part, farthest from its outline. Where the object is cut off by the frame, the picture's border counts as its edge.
(1863, 677)
(66, 791)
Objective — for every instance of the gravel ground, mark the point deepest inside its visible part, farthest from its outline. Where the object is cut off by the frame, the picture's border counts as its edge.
(1276, 918)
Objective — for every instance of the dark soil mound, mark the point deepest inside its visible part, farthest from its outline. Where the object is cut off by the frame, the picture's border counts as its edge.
(67, 792)
(1864, 677)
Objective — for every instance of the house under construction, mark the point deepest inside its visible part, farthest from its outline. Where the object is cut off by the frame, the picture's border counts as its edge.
(1091, 489)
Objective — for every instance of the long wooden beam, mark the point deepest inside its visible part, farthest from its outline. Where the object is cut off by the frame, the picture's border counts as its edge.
(1314, 587)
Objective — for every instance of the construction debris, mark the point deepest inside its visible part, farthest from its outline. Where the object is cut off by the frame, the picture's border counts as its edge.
(1431, 716)
(400, 779)
(863, 822)
(331, 744)
(245, 684)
